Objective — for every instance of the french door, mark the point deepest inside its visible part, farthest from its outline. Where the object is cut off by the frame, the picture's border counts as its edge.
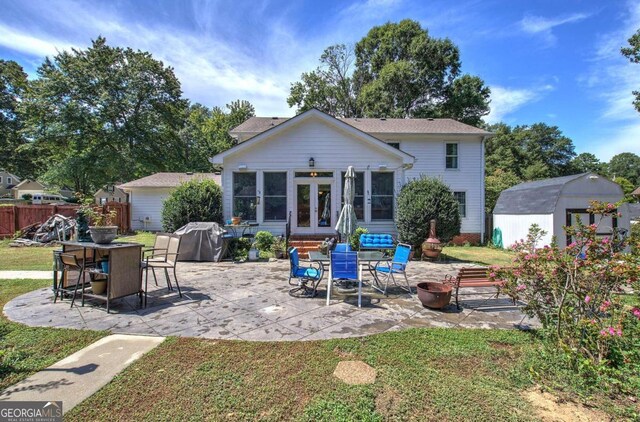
(314, 207)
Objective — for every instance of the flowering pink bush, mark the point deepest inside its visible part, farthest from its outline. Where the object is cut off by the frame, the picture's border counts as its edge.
(574, 291)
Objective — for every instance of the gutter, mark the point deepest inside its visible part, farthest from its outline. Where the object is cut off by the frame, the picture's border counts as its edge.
(482, 192)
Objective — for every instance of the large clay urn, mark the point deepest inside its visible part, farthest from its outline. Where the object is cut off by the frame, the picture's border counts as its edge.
(431, 247)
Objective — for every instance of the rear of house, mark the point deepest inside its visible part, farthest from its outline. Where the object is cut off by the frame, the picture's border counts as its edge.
(291, 171)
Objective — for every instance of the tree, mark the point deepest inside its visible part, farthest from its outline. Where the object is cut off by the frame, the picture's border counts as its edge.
(193, 201)
(627, 188)
(400, 71)
(13, 83)
(494, 184)
(633, 54)
(625, 165)
(587, 163)
(104, 114)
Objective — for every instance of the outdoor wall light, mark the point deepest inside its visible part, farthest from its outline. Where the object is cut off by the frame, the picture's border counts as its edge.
(312, 162)
(242, 166)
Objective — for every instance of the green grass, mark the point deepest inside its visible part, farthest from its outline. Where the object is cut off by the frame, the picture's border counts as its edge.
(40, 257)
(478, 254)
(26, 350)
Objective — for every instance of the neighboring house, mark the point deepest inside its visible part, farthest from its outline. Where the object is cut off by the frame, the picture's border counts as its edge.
(30, 187)
(554, 203)
(7, 181)
(146, 196)
(634, 213)
(110, 194)
(636, 193)
(294, 167)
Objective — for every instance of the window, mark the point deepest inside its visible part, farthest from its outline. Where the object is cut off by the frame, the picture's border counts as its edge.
(9, 180)
(381, 196)
(275, 196)
(0, 179)
(461, 197)
(244, 195)
(451, 156)
(358, 200)
(396, 145)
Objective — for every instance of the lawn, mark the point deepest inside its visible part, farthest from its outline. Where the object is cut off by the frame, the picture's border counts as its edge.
(40, 257)
(478, 254)
(25, 350)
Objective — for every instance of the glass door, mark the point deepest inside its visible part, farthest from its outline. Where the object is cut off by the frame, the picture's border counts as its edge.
(323, 196)
(314, 207)
(303, 205)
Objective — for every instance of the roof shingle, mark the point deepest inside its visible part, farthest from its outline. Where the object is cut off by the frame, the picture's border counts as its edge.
(168, 180)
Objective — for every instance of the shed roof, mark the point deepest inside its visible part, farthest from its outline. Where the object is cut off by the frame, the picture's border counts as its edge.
(537, 197)
(168, 180)
(255, 125)
(636, 192)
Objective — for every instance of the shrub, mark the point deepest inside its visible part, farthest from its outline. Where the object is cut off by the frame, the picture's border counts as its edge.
(420, 201)
(635, 238)
(193, 201)
(574, 292)
(264, 240)
(27, 197)
(354, 239)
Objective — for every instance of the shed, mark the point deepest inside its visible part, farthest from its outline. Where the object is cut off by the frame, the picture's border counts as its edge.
(147, 194)
(27, 187)
(555, 203)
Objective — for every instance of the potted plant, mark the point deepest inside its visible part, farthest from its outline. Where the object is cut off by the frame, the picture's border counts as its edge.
(278, 247)
(254, 254)
(102, 231)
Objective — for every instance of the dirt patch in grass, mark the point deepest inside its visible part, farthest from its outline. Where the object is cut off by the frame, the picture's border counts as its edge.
(550, 408)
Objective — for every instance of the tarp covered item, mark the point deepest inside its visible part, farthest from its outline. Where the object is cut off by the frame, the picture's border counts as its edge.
(201, 242)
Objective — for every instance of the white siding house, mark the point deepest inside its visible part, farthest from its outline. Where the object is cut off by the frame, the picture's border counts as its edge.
(146, 196)
(555, 203)
(293, 168)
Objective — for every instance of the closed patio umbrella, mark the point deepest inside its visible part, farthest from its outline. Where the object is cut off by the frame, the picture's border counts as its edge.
(348, 220)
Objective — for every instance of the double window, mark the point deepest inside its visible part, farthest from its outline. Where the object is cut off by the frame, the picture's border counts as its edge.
(244, 195)
(451, 156)
(381, 196)
(461, 197)
(275, 196)
(358, 200)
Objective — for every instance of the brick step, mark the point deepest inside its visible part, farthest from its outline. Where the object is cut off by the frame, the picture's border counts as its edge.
(304, 243)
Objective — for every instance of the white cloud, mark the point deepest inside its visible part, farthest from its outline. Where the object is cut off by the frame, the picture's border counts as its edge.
(19, 41)
(543, 27)
(505, 101)
(618, 139)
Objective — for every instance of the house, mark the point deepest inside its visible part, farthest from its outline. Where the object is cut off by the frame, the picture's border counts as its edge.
(554, 203)
(293, 169)
(110, 193)
(7, 182)
(146, 196)
(27, 187)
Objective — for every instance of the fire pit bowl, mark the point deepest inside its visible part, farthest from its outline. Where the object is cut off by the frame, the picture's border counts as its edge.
(434, 295)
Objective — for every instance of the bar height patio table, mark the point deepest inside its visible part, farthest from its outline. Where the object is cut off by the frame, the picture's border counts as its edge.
(124, 276)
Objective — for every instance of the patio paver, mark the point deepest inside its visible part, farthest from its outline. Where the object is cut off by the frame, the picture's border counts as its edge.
(250, 301)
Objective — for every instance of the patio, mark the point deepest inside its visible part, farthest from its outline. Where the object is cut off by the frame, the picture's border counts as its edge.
(250, 301)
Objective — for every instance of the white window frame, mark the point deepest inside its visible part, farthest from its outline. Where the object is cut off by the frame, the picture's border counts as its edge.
(457, 155)
(233, 195)
(371, 195)
(459, 204)
(0, 179)
(263, 202)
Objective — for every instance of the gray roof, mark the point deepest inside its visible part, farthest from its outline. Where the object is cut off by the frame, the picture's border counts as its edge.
(537, 197)
(168, 180)
(255, 125)
(634, 211)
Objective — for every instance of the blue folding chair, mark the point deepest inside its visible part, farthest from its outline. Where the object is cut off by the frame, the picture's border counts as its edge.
(344, 266)
(398, 265)
(343, 247)
(303, 276)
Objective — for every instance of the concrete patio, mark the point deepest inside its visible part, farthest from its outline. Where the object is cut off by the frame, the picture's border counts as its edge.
(250, 301)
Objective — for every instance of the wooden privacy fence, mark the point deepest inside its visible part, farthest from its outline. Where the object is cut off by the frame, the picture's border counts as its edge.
(16, 217)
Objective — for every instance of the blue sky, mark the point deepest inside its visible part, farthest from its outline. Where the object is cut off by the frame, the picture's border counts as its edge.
(552, 61)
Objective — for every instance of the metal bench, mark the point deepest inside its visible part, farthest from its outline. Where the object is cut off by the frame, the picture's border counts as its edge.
(472, 277)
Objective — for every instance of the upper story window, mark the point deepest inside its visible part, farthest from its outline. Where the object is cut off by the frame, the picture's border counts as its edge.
(0, 179)
(451, 156)
(244, 195)
(9, 180)
(275, 196)
(461, 197)
(358, 199)
(381, 195)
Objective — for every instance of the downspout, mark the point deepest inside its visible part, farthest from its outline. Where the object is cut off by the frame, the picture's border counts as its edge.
(482, 195)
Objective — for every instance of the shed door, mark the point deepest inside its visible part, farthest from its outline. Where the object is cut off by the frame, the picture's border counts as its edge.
(605, 226)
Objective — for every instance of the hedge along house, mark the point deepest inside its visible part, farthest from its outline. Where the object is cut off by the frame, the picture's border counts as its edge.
(555, 203)
(147, 194)
(292, 169)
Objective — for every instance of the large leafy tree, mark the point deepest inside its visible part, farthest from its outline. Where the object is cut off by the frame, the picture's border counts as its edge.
(13, 83)
(627, 165)
(586, 162)
(104, 114)
(399, 71)
(633, 54)
(495, 183)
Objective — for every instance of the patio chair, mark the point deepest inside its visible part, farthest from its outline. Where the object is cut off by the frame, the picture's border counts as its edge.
(344, 266)
(156, 254)
(169, 261)
(398, 265)
(304, 276)
(70, 263)
(343, 247)
(375, 241)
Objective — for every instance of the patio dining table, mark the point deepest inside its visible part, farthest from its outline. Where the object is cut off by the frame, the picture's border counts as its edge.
(364, 257)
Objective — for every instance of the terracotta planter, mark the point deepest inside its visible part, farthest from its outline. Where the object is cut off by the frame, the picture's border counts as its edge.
(434, 295)
(98, 287)
(103, 234)
(236, 220)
